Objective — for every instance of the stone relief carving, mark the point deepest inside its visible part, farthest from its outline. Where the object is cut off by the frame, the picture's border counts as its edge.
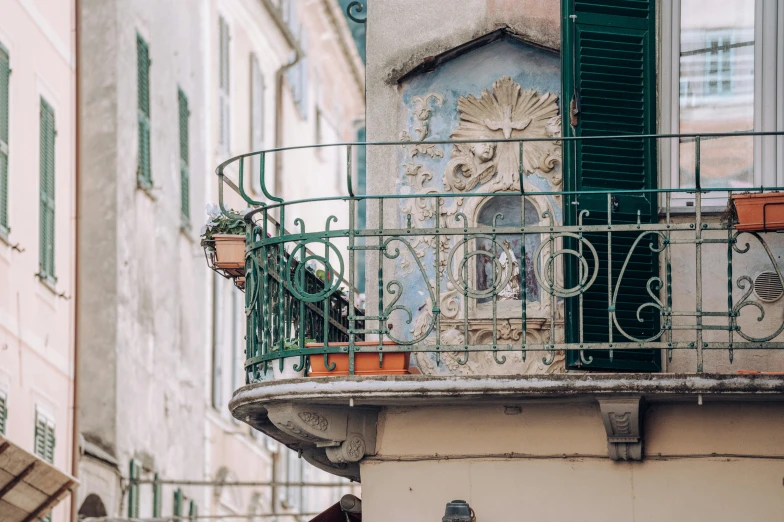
(506, 111)
(315, 420)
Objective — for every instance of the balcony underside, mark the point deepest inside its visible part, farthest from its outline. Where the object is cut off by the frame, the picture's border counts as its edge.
(301, 413)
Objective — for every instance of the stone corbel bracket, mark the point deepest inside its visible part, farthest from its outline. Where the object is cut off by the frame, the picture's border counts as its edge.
(344, 435)
(622, 418)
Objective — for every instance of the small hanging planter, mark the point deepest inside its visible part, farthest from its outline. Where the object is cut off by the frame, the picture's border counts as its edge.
(223, 239)
(759, 212)
(229, 251)
(365, 363)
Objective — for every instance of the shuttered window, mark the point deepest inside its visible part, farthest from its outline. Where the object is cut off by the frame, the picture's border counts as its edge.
(3, 412)
(223, 86)
(144, 169)
(193, 511)
(609, 88)
(184, 115)
(46, 189)
(134, 472)
(44, 437)
(178, 501)
(5, 74)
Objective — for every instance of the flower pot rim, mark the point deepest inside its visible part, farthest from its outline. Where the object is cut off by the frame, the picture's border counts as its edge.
(228, 237)
(752, 195)
(357, 343)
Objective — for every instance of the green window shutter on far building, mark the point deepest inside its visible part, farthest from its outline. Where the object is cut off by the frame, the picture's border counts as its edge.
(144, 170)
(46, 190)
(3, 412)
(184, 115)
(609, 89)
(5, 77)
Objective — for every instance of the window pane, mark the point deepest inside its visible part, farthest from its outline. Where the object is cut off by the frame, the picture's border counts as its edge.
(717, 90)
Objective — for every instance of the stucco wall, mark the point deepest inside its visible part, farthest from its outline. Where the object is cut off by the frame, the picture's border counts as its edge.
(142, 322)
(546, 461)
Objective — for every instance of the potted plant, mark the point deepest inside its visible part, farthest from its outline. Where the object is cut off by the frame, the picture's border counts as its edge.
(223, 238)
(365, 363)
(761, 212)
(289, 363)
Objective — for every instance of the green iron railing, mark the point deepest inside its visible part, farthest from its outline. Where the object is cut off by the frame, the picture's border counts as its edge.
(446, 284)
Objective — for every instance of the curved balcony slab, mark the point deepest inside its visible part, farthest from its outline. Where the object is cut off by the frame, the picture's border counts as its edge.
(332, 420)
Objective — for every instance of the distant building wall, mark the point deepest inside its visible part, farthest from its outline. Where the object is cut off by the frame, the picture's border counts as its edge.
(142, 321)
(36, 317)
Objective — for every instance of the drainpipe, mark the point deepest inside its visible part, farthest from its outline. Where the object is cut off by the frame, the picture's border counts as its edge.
(279, 79)
(75, 456)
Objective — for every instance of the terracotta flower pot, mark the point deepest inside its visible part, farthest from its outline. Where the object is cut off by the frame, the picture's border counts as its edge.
(365, 363)
(229, 251)
(759, 212)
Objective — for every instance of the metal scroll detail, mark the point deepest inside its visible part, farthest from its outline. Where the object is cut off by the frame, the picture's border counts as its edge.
(352, 9)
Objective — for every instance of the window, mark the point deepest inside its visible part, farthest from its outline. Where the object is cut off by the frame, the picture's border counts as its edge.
(224, 120)
(46, 189)
(184, 114)
(3, 411)
(293, 478)
(228, 337)
(719, 66)
(256, 119)
(179, 499)
(5, 73)
(298, 78)
(44, 436)
(144, 170)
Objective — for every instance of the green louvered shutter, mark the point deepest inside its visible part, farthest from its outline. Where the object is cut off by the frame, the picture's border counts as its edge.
(144, 170)
(5, 76)
(3, 412)
(609, 76)
(46, 165)
(44, 438)
(178, 500)
(193, 511)
(134, 473)
(184, 114)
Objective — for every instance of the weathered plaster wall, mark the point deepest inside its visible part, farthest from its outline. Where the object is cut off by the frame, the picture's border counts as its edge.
(141, 319)
(719, 461)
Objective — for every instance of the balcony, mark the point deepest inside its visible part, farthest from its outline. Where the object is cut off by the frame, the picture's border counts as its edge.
(486, 295)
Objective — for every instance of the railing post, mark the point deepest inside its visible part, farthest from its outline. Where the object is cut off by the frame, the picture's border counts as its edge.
(698, 249)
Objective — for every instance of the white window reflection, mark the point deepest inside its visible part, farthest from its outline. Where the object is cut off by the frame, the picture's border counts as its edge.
(717, 45)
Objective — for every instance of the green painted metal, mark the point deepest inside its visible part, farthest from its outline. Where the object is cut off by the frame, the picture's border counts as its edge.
(296, 279)
(157, 496)
(144, 168)
(5, 79)
(179, 498)
(134, 471)
(184, 116)
(46, 254)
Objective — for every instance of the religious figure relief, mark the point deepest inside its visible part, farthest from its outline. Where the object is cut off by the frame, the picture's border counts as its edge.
(511, 291)
(507, 112)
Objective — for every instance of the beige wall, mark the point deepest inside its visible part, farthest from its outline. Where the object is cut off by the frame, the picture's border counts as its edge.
(718, 461)
(36, 324)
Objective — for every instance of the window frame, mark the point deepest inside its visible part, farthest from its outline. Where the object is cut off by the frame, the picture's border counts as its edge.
(768, 49)
(224, 90)
(183, 113)
(258, 88)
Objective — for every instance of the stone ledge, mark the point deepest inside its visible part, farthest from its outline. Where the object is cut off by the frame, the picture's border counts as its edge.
(410, 389)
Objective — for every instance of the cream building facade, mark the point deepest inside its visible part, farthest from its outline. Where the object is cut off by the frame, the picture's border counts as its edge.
(37, 236)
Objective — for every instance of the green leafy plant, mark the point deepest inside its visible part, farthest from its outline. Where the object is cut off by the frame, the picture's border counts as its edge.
(219, 223)
(291, 344)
